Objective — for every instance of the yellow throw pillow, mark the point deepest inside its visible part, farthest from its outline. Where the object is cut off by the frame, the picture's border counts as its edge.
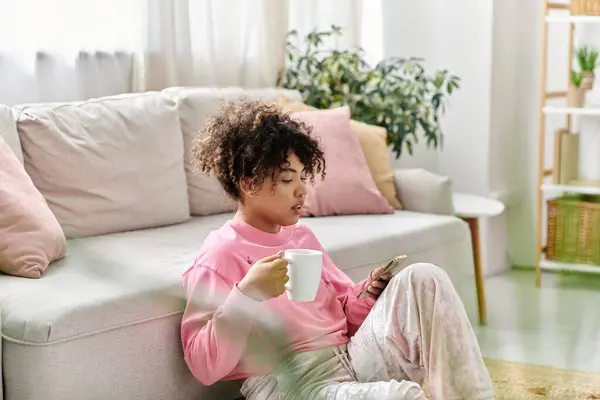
(373, 143)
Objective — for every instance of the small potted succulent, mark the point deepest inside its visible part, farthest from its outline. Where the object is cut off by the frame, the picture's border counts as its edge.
(576, 93)
(587, 58)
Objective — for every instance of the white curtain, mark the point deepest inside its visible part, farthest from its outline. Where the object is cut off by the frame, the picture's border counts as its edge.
(63, 50)
(361, 22)
(213, 42)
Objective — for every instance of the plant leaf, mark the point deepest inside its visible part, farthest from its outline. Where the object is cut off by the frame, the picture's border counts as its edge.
(397, 93)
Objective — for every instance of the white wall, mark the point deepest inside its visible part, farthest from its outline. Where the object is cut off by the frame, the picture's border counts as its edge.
(522, 215)
(465, 48)
(437, 32)
(408, 31)
(504, 136)
(475, 40)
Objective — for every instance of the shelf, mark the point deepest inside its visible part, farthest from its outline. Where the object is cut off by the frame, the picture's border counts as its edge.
(550, 187)
(589, 110)
(559, 12)
(573, 18)
(546, 265)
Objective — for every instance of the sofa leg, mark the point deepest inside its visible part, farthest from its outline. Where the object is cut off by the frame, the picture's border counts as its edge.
(479, 280)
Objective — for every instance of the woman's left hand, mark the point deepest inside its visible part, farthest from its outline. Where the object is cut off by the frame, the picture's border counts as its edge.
(376, 287)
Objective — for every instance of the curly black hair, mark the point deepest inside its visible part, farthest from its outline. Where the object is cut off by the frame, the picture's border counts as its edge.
(252, 139)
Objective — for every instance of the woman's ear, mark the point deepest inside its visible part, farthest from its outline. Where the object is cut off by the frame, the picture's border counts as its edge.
(247, 187)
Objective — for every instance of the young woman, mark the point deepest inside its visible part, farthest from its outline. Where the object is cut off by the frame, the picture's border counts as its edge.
(411, 326)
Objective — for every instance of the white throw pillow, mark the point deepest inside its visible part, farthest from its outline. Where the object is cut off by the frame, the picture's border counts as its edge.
(423, 191)
(107, 165)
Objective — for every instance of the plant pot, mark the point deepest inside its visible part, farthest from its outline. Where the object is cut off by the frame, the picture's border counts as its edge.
(587, 83)
(575, 96)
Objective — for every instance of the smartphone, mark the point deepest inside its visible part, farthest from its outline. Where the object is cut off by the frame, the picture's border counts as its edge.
(388, 269)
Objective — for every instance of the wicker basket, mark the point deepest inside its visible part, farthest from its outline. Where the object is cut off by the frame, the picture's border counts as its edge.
(585, 7)
(574, 229)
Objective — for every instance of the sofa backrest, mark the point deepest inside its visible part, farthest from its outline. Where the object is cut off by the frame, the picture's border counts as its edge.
(122, 162)
(8, 131)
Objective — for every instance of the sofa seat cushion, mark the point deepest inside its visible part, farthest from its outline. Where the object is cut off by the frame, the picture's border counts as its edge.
(104, 282)
(121, 279)
(366, 240)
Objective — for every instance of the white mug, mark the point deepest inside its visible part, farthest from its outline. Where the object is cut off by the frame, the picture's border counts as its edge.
(304, 271)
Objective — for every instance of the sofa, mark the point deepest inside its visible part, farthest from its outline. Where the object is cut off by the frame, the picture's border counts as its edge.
(103, 322)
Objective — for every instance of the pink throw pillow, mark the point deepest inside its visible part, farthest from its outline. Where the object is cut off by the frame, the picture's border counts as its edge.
(30, 236)
(348, 187)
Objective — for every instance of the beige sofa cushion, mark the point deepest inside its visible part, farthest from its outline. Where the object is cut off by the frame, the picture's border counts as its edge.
(30, 236)
(372, 141)
(423, 191)
(115, 280)
(107, 165)
(195, 104)
(8, 130)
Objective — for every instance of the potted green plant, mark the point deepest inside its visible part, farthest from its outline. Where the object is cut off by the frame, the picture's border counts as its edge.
(587, 58)
(397, 93)
(576, 94)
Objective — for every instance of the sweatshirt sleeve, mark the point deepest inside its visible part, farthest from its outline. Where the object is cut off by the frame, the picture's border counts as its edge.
(216, 323)
(356, 310)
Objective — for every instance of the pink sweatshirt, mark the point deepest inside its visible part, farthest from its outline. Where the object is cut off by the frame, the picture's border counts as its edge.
(219, 319)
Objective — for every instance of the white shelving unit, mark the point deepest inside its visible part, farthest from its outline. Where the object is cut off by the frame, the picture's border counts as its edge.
(558, 13)
(554, 266)
(551, 188)
(588, 110)
(573, 19)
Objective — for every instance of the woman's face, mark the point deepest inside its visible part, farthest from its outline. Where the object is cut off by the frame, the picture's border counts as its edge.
(278, 204)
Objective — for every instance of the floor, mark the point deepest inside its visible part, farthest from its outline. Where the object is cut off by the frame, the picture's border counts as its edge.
(556, 325)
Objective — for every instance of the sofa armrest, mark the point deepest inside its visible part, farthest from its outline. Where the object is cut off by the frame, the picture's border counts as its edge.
(423, 191)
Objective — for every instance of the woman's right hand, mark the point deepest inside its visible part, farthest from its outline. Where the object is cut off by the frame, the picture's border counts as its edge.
(265, 279)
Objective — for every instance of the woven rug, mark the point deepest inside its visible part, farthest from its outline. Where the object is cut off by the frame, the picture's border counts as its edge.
(516, 381)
